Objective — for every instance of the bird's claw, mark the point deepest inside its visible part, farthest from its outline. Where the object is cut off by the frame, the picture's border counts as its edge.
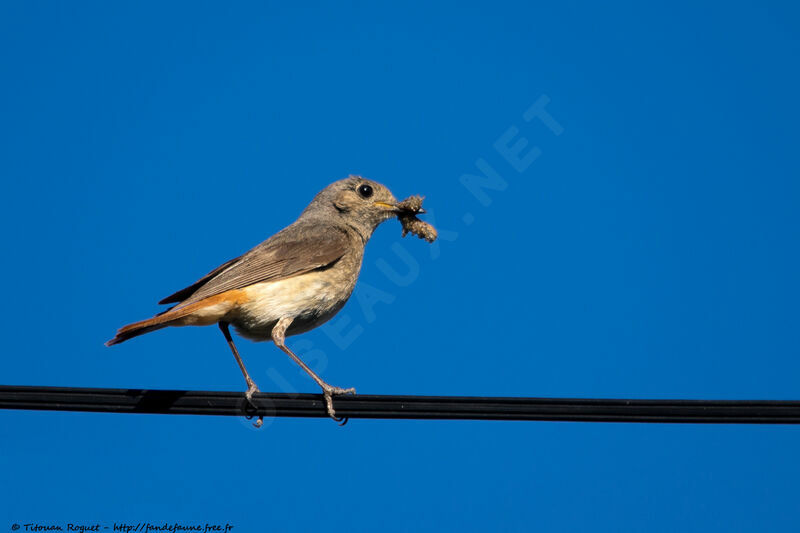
(252, 389)
(328, 393)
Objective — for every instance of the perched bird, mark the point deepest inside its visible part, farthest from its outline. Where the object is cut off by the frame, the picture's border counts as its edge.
(293, 282)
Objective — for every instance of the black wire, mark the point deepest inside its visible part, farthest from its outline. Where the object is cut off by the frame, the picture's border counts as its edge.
(181, 402)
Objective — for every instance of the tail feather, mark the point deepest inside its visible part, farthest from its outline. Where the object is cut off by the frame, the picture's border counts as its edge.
(133, 330)
(170, 317)
(159, 321)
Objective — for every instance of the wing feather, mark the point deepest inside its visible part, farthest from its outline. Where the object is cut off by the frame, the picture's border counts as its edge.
(291, 252)
(188, 291)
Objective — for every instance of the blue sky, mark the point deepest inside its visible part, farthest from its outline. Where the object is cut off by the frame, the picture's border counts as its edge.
(647, 250)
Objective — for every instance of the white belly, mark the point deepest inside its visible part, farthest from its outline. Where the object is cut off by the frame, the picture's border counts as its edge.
(308, 298)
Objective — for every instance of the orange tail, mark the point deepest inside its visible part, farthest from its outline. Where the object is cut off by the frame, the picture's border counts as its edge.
(159, 321)
(134, 330)
(168, 317)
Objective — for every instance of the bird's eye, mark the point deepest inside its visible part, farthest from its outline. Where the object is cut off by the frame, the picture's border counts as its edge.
(365, 191)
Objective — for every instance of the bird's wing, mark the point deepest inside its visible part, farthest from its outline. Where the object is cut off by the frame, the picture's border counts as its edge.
(191, 289)
(287, 254)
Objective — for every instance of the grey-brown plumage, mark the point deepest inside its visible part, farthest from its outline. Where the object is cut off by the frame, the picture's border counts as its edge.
(292, 282)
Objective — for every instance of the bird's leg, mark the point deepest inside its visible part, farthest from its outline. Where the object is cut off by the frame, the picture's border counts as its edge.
(328, 391)
(251, 385)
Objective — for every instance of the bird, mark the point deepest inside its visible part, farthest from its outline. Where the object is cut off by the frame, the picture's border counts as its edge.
(293, 282)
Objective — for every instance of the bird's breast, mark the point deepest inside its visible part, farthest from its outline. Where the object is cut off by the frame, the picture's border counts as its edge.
(310, 299)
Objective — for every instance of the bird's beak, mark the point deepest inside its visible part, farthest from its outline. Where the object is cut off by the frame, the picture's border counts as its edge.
(391, 207)
(394, 208)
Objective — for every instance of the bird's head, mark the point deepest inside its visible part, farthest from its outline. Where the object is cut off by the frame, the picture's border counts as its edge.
(358, 202)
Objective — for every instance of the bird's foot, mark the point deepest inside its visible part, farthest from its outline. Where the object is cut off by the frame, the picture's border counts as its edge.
(252, 388)
(328, 392)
